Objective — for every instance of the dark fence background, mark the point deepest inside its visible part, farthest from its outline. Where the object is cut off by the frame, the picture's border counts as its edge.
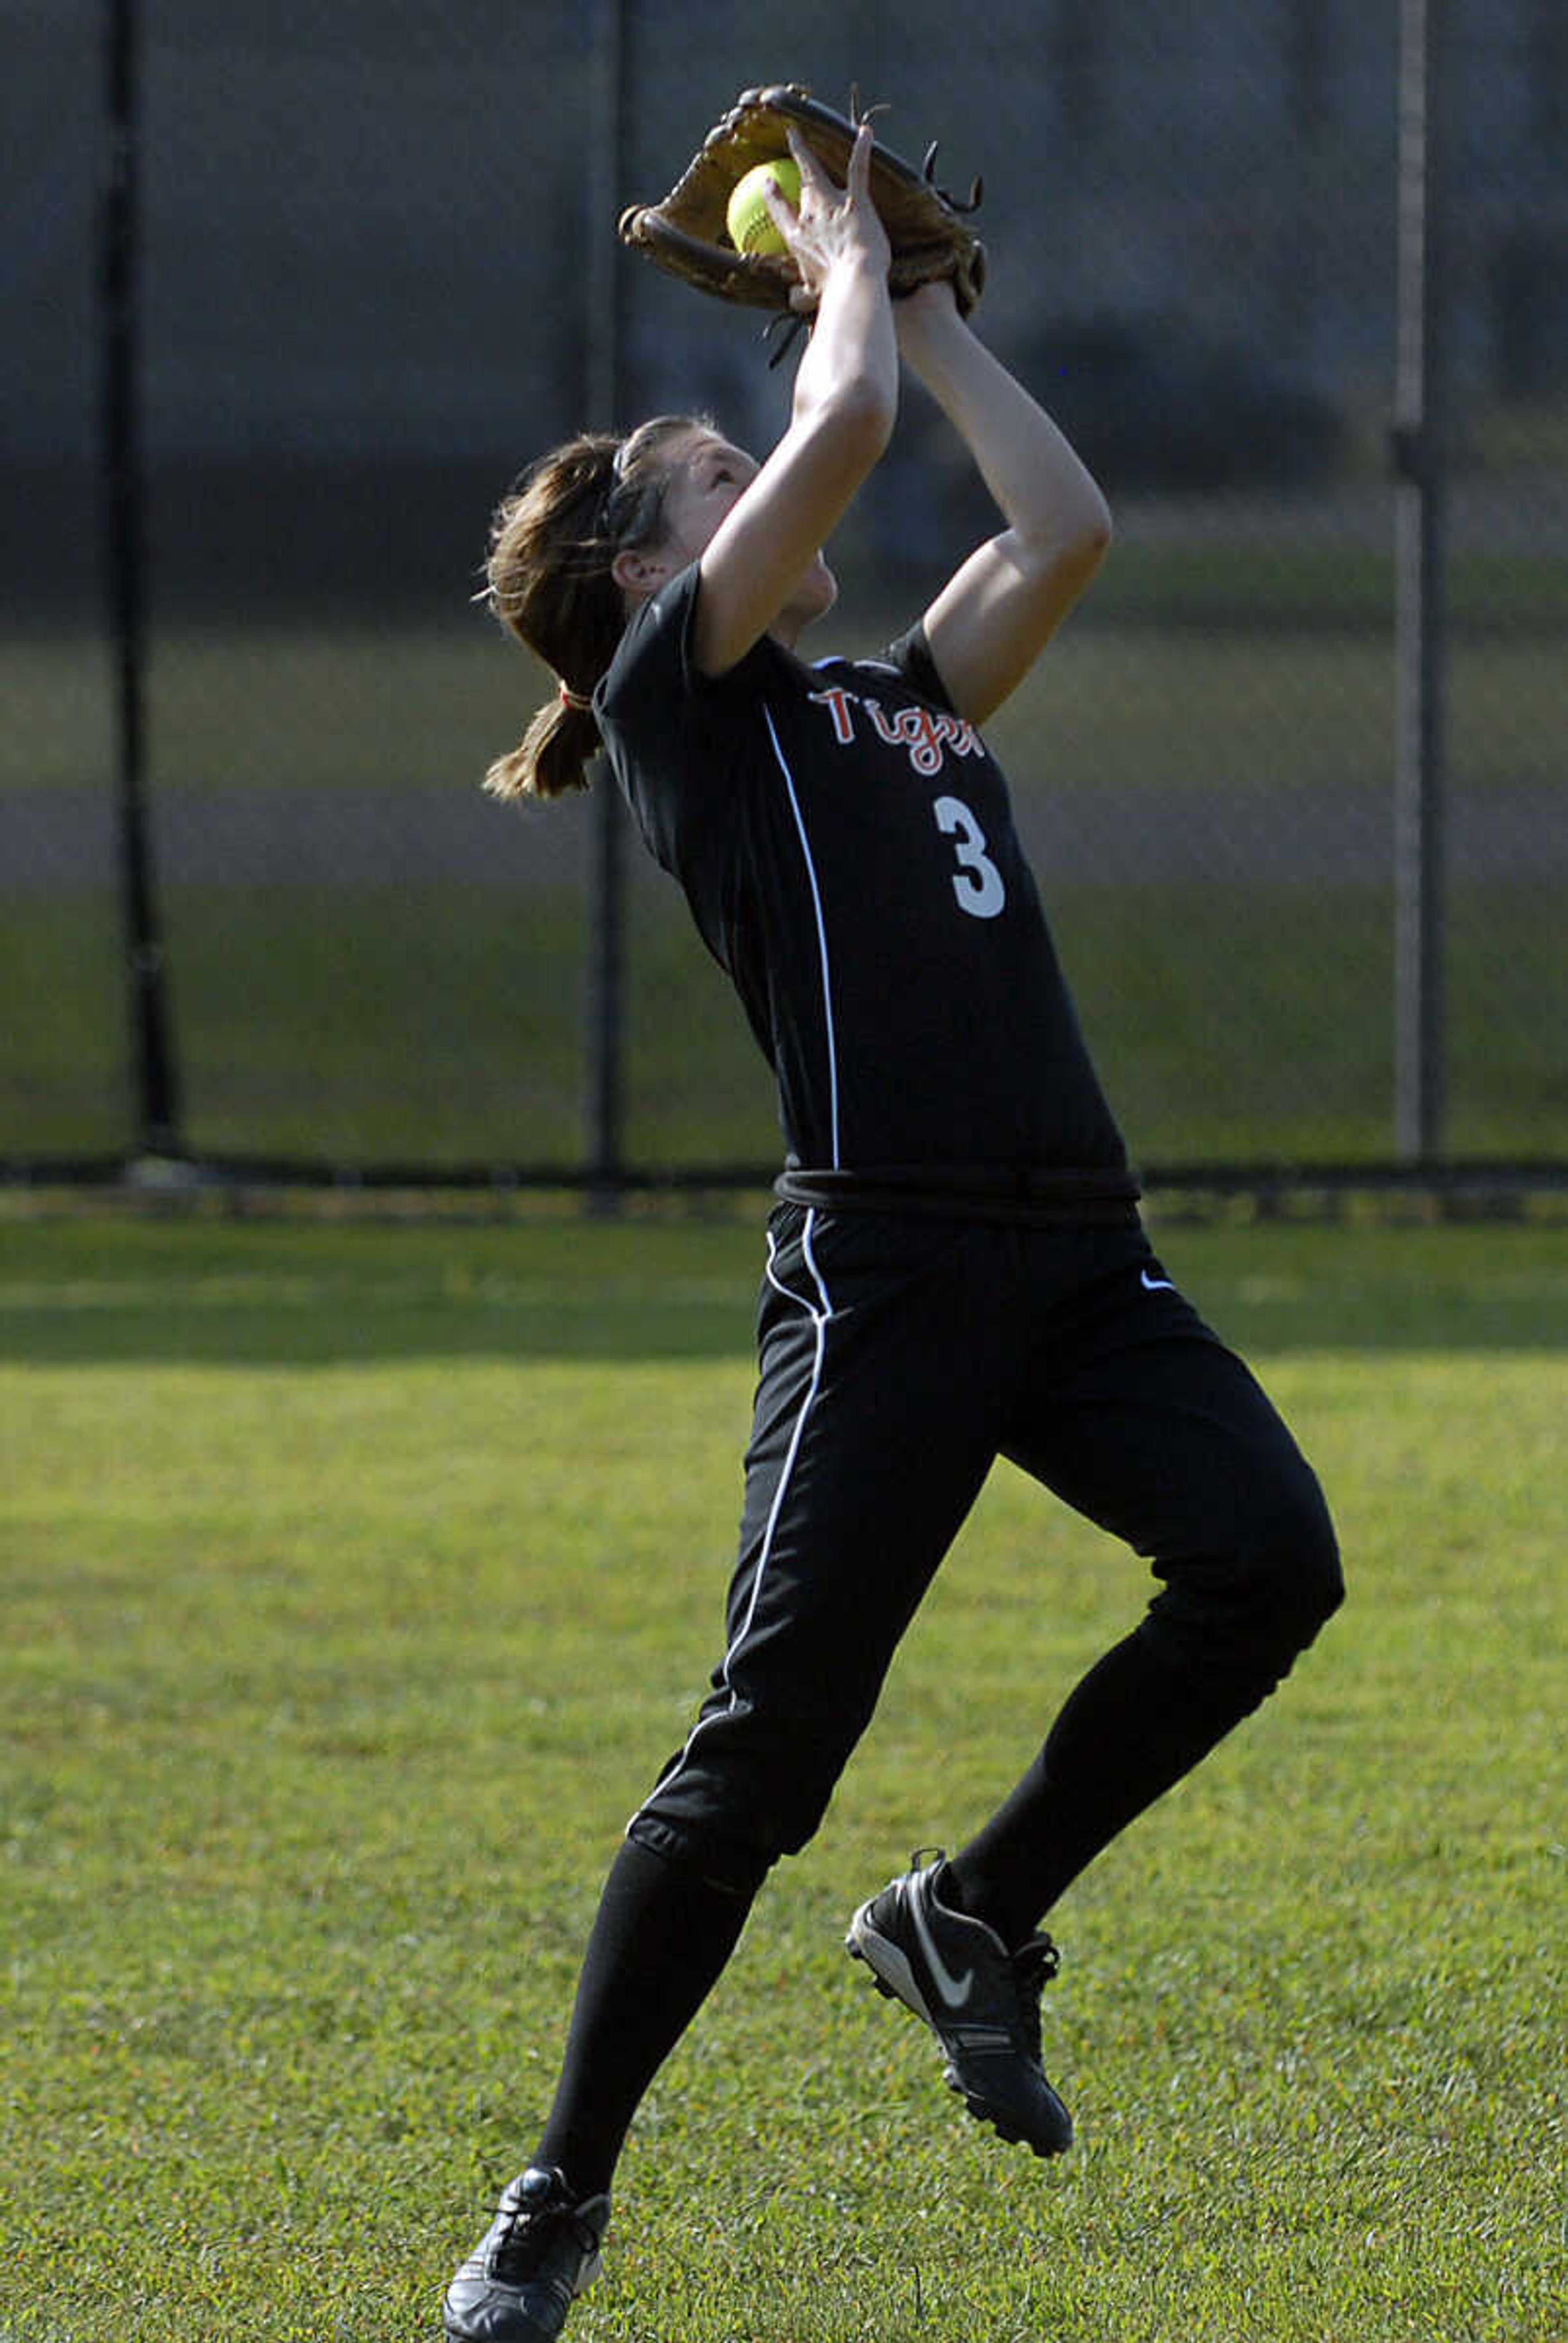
(375, 275)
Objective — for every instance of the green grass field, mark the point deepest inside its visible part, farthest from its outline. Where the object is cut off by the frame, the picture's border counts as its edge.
(357, 1576)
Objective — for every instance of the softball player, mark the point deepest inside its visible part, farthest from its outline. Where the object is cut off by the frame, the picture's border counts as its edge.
(956, 1267)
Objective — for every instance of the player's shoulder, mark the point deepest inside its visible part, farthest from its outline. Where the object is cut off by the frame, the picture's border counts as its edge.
(654, 669)
(905, 663)
(653, 648)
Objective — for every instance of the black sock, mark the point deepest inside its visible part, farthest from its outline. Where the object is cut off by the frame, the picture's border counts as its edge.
(1131, 1728)
(661, 1938)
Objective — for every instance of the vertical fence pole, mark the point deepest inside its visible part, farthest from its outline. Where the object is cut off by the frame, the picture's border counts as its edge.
(605, 1008)
(156, 1101)
(1421, 443)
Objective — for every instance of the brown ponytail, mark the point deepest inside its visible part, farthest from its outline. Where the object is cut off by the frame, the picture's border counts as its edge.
(552, 544)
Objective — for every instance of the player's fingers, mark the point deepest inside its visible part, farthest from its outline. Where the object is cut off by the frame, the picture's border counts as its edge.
(781, 212)
(860, 175)
(777, 202)
(813, 174)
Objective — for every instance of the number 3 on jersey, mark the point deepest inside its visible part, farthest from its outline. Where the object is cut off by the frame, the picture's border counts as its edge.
(977, 882)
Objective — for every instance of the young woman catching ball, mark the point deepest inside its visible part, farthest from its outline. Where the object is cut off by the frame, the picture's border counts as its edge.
(956, 1269)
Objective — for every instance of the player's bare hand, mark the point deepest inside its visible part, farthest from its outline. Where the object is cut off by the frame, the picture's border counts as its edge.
(835, 226)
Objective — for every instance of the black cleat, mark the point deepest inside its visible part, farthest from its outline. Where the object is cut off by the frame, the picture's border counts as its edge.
(539, 2253)
(980, 2001)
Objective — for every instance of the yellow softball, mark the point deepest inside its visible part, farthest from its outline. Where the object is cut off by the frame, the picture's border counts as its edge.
(747, 216)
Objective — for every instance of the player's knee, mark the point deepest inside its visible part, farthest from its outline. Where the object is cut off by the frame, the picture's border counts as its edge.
(718, 1857)
(733, 1811)
(1296, 1578)
(1242, 1609)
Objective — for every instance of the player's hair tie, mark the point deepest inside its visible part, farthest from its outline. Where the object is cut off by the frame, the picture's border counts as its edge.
(570, 699)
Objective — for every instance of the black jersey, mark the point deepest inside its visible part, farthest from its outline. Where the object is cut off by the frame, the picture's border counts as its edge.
(846, 846)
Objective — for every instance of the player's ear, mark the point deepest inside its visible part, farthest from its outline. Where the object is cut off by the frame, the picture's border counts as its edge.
(640, 570)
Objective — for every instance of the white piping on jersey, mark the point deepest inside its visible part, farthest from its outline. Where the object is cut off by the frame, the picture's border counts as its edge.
(821, 939)
(883, 667)
(820, 1314)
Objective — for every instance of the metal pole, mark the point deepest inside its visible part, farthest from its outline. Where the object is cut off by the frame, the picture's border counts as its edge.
(156, 1105)
(1420, 446)
(605, 1006)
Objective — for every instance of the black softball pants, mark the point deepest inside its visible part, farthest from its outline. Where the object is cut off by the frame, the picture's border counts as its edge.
(899, 1358)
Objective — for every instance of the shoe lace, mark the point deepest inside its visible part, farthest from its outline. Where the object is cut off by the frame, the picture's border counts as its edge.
(1033, 1967)
(531, 2231)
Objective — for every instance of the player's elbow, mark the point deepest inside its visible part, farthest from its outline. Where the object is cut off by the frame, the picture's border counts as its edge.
(1068, 542)
(1064, 563)
(1085, 537)
(1093, 543)
(1077, 563)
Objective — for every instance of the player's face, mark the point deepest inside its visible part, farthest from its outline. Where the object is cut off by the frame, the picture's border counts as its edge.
(707, 477)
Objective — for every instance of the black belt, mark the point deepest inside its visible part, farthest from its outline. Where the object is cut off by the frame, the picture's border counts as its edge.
(1024, 1194)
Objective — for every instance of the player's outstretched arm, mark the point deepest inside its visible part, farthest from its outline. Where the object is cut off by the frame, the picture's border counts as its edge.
(994, 617)
(845, 401)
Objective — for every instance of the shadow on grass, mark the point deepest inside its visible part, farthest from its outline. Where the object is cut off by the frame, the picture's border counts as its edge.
(299, 1293)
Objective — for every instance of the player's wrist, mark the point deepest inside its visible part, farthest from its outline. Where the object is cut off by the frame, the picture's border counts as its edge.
(855, 261)
(928, 316)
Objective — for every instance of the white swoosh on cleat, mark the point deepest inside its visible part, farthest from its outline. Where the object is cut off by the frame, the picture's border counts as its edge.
(955, 1992)
(1155, 1284)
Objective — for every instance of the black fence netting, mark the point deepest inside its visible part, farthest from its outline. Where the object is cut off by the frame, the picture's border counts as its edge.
(372, 262)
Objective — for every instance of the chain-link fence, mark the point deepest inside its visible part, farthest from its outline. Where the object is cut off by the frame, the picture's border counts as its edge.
(372, 259)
